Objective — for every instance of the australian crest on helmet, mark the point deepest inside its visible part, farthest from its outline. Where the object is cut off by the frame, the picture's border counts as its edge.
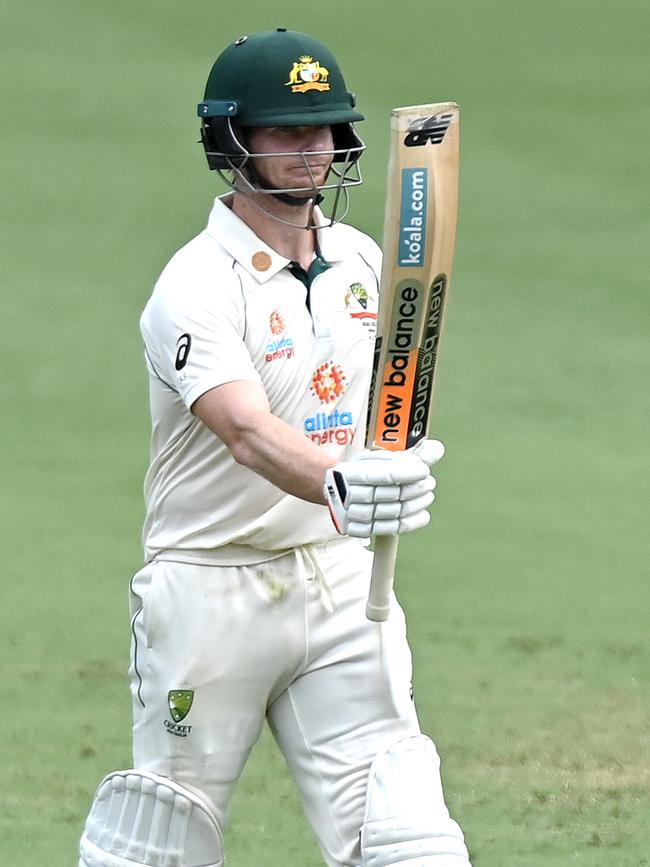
(307, 74)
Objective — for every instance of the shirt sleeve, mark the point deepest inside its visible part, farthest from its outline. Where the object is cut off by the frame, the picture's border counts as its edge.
(194, 338)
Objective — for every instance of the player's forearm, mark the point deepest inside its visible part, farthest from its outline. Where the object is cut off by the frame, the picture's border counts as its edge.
(283, 456)
(239, 414)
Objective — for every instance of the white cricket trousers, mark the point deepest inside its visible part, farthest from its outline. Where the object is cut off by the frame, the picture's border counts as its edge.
(288, 641)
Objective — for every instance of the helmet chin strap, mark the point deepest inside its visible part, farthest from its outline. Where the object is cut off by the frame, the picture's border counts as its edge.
(295, 202)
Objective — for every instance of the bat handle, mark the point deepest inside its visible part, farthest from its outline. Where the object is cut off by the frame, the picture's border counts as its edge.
(382, 578)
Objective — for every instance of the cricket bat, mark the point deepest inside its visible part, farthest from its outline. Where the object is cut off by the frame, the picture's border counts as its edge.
(419, 236)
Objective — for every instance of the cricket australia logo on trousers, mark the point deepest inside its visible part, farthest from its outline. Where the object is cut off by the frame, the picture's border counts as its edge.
(179, 702)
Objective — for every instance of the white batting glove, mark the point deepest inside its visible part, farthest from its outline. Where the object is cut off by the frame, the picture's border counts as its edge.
(382, 493)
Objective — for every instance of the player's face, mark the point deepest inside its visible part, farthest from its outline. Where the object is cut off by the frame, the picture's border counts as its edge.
(299, 168)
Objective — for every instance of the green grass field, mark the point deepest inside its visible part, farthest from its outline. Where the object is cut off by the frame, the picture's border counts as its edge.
(528, 596)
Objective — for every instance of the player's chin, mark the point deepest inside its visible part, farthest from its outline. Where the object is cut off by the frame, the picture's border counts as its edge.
(303, 183)
(312, 177)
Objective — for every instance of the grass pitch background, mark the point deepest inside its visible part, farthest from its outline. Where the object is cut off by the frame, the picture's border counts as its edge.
(528, 596)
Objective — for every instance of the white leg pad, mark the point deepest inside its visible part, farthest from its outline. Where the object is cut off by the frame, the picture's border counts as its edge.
(407, 821)
(138, 819)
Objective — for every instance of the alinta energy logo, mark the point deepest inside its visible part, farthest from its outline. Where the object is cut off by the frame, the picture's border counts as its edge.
(276, 323)
(329, 383)
(281, 347)
(179, 702)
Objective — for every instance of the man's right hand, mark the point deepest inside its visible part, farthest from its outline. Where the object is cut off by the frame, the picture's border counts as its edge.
(382, 493)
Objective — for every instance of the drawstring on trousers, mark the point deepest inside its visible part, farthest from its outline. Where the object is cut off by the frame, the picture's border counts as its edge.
(325, 590)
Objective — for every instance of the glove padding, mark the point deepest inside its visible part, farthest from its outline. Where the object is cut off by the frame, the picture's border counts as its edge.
(382, 493)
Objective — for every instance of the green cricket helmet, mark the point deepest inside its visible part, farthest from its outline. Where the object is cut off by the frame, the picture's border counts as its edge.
(275, 78)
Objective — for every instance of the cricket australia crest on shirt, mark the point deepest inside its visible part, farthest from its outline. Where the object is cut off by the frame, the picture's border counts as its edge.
(180, 702)
(356, 304)
(282, 346)
(329, 383)
(307, 74)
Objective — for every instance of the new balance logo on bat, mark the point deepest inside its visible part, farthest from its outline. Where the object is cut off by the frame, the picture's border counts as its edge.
(426, 366)
(429, 129)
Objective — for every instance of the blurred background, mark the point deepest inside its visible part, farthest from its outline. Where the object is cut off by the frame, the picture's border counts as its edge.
(528, 594)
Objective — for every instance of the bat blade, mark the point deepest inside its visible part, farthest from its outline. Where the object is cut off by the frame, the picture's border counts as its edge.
(419, 237)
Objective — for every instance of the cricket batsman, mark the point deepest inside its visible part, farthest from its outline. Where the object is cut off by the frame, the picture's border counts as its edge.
(260, 500)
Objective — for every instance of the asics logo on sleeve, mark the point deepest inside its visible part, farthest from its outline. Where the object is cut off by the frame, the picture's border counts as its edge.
(183, 343)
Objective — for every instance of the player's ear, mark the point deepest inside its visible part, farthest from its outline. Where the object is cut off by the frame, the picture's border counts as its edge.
(223, 144)
(346, 139)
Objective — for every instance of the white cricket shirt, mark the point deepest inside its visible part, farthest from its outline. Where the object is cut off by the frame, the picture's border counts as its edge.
(227, 307)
